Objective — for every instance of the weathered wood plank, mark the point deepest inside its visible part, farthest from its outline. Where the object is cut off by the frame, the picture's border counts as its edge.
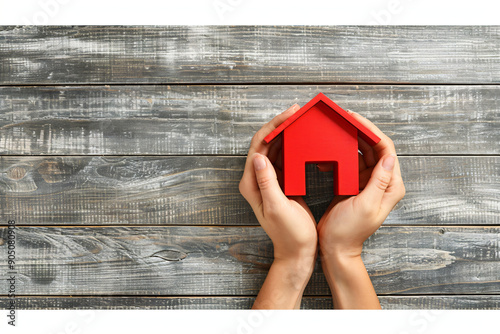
(455, 302)
(221, 54)
(201, 190)
(222, 119)
(190, 261)
(432, 302)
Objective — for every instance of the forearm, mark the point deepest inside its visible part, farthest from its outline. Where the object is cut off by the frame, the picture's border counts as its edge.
(284, 285)
(349, 282)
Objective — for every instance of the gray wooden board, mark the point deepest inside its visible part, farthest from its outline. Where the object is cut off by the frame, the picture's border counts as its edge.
(190, 261)
(230, 54)
(455, 302)
(203, 190)
(167, 120)
(178, 216)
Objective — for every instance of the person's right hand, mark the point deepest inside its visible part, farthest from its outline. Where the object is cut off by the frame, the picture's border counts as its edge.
(349, 221)
(287, 221)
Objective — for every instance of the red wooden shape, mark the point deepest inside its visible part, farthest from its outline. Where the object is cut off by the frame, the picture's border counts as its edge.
(321, 132)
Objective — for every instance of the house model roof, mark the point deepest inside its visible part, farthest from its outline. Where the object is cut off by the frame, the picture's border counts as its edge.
(363, 131)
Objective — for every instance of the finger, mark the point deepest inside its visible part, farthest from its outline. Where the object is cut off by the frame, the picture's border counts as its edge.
(258, 145)
(274, 150)
(278, 119)
(272, 196)
(279, 160)
(380, 179)
(368, 153)
(394, 193)
(384, 146)
(248, 183)
(272, 125)
(364, 177)
(361, 162)
(249, 188)
(279, 175)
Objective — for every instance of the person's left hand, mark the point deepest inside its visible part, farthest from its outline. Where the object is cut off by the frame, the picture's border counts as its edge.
(350, 220)
(287, 221)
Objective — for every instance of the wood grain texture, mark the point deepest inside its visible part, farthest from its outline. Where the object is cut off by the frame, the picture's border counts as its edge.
(167, 120)
(455, 302)
(203, 190)
(220, 54)
(233, 261)
(116, 228)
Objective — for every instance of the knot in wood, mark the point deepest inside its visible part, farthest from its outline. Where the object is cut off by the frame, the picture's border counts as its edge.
(16, 173)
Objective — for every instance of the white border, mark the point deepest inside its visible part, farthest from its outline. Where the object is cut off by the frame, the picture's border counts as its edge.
(248, 12)
(250, 321)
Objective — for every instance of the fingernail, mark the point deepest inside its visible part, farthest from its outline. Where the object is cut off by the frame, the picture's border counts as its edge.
(259, 163)
(389, 162)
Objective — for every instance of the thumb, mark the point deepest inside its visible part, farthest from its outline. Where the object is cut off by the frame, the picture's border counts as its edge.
(267, 181)
(379, 181)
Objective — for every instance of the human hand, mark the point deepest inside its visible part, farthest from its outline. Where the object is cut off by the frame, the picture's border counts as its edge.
(349, 221)
(287, 221)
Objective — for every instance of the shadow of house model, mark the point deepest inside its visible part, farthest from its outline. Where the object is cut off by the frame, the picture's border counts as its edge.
(321, 132)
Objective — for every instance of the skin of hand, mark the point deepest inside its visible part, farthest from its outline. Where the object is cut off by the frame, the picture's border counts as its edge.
(349, 221)
(287, 221)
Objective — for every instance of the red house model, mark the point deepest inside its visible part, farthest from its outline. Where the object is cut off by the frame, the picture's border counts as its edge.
(321, 132)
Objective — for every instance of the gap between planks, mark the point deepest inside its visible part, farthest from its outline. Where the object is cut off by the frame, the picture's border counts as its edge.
(238, 226)
(342, 83)
(225, 155)
(245, 296)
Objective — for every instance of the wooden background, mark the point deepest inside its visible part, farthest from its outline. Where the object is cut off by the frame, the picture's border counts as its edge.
(122, 148)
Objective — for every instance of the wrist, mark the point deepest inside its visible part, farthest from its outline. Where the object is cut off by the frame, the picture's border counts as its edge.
(337, 262)
(284, 285)
(296, 272)
(296, 256)
(349, 281)
(340, 257)
(339, 251)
